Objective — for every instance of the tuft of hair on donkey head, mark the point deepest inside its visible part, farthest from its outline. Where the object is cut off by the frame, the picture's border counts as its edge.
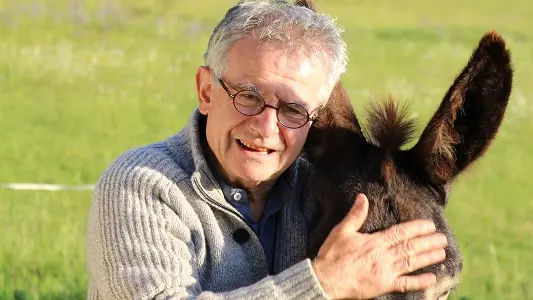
(408, 184)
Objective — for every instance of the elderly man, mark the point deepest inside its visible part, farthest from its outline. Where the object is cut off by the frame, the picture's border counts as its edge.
(222, 209)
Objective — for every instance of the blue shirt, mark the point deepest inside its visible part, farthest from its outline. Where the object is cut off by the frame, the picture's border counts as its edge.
(266, 228)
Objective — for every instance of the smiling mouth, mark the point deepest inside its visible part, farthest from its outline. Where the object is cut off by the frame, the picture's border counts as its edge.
(252, 148)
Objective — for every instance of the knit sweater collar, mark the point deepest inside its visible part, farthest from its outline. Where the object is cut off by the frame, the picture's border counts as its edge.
(291, 245)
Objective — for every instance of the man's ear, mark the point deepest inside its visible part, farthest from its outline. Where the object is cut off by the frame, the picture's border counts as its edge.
(204, 88)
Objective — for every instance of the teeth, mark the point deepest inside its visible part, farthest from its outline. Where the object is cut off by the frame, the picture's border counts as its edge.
(261, 149)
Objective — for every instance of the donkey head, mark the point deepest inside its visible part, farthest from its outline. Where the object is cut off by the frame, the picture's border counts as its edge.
(404, 185)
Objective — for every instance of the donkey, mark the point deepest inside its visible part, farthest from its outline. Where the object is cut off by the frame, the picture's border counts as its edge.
(407, 184)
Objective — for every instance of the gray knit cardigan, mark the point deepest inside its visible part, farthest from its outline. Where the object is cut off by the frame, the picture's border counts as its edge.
(160, 228)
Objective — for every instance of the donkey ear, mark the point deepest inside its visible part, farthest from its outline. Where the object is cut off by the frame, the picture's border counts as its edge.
(470, 113)
(334, 129)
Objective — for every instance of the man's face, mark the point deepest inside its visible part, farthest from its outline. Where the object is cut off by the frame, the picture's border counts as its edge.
(258, 149)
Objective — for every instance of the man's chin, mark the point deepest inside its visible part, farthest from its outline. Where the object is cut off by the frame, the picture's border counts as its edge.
(256, 177)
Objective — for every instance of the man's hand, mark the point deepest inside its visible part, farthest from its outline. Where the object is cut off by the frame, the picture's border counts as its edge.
(361, 266)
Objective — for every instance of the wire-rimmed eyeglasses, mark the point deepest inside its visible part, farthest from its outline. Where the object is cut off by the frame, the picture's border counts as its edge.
(251, 103)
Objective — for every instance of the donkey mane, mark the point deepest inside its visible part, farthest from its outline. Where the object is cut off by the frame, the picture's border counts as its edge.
(388, 125)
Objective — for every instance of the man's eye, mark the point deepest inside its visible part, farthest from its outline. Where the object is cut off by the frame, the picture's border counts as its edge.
(248, 99)
(294, 110)
(250, 96)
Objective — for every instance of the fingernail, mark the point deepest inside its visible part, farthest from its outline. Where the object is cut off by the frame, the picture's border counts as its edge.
(359, 200)
(432, 279)
(440, 254)
(443, 240)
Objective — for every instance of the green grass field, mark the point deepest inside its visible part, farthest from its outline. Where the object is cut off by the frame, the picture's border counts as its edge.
(82, 81)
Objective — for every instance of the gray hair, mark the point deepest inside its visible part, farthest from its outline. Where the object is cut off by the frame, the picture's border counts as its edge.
(296, 27)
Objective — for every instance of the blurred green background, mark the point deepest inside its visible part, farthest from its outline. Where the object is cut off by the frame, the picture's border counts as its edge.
(81, 81)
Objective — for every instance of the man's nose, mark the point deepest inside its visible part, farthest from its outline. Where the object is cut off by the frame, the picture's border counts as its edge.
(266, 123)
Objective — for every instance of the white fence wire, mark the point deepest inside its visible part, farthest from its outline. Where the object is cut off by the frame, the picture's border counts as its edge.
(45, 187)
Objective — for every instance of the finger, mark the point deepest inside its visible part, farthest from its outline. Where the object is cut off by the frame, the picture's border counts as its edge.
(408, 230)
(419, 282)
(418, 245)
(357, 214)
(409, 264)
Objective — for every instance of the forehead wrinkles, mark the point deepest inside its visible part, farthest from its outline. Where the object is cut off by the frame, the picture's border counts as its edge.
(297, 57)
(301, 64)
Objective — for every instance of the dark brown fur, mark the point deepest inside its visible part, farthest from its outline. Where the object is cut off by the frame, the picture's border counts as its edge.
(404, 185)
(308, 4)
(471, 112)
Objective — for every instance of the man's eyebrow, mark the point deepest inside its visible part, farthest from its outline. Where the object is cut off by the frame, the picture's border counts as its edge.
(294, 101)
(245, 85)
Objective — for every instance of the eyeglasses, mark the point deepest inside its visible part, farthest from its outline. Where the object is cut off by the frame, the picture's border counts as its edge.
(251, 103)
